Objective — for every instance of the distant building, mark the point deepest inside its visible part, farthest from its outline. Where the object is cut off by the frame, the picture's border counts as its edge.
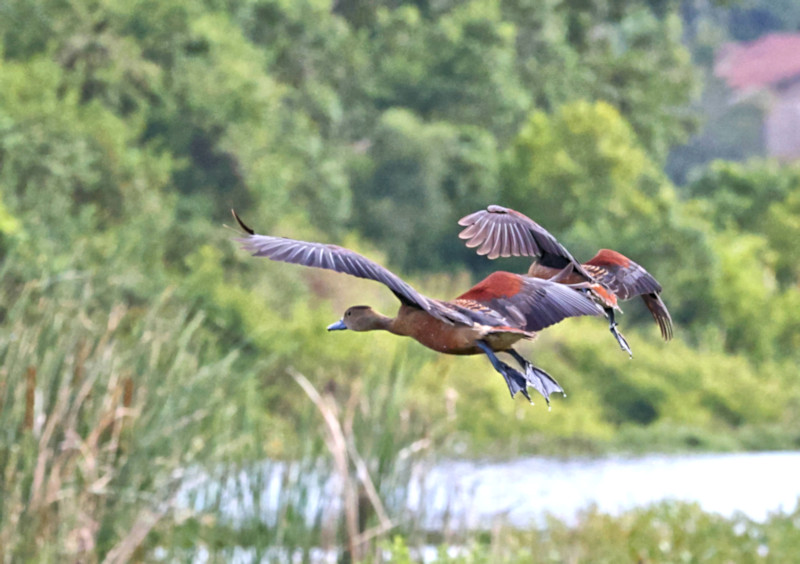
(769, 66)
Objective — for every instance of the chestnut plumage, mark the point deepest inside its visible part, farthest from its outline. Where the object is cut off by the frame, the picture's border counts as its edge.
(488, 318)
(608, 276)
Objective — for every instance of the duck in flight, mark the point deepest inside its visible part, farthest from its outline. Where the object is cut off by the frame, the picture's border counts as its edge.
(609, 276)
(489, 318)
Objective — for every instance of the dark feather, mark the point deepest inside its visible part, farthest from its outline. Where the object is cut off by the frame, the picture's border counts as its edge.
(503, 232)
(339, 259)
(625, 281)
(660, 314)
(535, 305)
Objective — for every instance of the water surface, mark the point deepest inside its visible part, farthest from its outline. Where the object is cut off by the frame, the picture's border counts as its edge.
(523, 491)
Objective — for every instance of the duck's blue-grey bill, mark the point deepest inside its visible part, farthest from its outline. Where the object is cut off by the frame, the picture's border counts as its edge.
(338, 326)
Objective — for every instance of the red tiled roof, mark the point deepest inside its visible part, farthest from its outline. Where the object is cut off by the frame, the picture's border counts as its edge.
(763, 62)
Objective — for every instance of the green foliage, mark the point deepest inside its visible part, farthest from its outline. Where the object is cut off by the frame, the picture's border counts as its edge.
(759, 197)
(141, 349)
(457, 67)
(584, 174)
(655, 104)
(577, 162)
(665, 532)
(741, 194)
(93, 168)
(8, 224)
(628, 54)
(416, 184)
(103, 411)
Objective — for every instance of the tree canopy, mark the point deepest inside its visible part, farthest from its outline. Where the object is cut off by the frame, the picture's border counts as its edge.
(129, 129)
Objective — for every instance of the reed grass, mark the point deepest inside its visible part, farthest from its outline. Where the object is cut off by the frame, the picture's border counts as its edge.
(342, 494)
(101, 414)
(128, 435)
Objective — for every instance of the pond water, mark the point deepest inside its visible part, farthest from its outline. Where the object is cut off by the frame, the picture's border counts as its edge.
(523, 491)
(520, 493)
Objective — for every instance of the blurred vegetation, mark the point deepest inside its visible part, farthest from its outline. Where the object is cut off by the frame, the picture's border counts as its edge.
(141, 349)
(665, 532)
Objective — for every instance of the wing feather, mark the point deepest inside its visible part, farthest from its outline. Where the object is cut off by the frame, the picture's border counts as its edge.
(499, 231)
(530, 304)
(621, 275)
(660, 314)
(339, 259)
(545, 303)
(627, 279)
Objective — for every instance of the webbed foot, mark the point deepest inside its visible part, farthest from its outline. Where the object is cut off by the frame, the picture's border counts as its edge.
(516, 382)
(541, 381)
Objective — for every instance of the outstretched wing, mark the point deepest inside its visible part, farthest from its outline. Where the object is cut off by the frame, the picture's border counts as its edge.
(339, 259)
(525, 303)
(503, 232)
(628, 279)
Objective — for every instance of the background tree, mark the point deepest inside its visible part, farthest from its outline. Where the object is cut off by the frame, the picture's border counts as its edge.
(140, 348)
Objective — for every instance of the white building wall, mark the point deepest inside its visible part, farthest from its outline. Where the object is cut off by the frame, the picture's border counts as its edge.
(782, 124)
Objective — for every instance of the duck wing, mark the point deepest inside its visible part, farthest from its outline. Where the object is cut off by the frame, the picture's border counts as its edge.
(628, 279)
(522, 302)
(340, 259)
(502, 232)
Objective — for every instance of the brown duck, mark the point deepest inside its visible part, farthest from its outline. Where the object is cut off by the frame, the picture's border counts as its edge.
(608, 276)
(488, 318)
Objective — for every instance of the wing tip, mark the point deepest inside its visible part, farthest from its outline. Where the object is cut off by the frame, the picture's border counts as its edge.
(241, 223)
(660, 313)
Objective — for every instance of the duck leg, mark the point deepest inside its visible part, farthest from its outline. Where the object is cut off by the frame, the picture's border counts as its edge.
(538, 378)
(516, 382)
(612, 326)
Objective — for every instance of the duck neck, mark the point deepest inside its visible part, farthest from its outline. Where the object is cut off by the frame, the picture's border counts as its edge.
(379, 322)
(408, 321)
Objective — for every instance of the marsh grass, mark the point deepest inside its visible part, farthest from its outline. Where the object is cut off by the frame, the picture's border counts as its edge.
(342, 494)
(101, 414)
(128, 435)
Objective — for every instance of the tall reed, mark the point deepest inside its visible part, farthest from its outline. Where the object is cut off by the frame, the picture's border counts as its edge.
(128, 433)
(345, 489)
(102, 411)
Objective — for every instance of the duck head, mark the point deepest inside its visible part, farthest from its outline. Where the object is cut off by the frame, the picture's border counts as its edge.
(361, 318)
